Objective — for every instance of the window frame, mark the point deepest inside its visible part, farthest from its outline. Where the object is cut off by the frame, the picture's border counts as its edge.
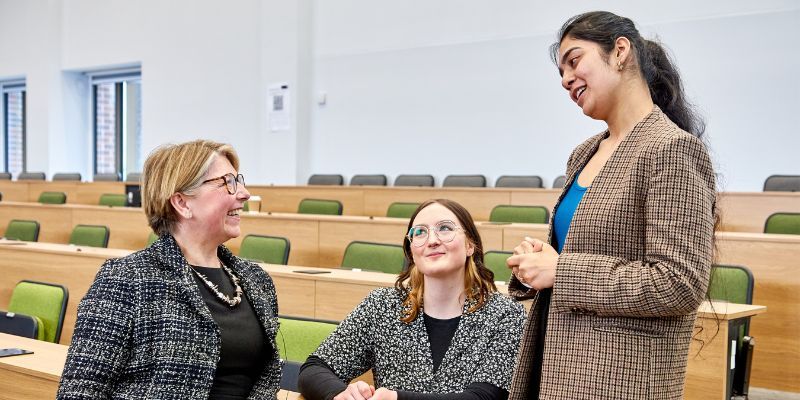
(118, 78)
(7, 87)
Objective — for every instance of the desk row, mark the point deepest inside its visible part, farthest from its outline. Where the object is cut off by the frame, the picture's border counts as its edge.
(741, 211)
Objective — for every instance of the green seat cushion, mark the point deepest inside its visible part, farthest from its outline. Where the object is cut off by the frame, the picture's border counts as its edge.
(783, 223)
(266, 249)
(519, 214)
(381, 257)
(43, 301)
(323, 207)
(113, 200)
(22, 230)
(496, 262)
(401, 210)
(297, 339)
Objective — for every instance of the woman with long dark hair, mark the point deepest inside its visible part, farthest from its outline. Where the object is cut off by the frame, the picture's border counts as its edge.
(617, 287)
(443, 331)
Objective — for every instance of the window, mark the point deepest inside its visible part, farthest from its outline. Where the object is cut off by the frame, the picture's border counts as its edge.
(14, 125)
(117, 105)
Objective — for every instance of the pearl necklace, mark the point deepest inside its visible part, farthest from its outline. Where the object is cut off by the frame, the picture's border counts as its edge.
(231, 302)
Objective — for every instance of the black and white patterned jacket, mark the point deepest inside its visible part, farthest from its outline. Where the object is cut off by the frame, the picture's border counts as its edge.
(144, 332)
(483, 349)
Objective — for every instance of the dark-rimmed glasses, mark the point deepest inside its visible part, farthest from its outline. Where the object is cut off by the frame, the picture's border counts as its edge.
(445, 230)
(231, 181)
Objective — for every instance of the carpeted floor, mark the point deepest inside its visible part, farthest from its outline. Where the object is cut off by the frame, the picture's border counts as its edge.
(766, 394)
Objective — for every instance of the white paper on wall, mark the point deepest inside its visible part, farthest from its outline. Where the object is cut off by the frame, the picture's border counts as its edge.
(278, 113)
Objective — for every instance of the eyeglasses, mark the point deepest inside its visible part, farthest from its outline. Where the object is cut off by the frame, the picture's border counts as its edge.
(231, 181)
(445, 230)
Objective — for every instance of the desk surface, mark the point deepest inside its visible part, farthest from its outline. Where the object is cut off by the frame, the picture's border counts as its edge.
(36, 376)
(46, 362)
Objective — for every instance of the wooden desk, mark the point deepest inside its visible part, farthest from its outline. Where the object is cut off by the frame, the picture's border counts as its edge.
(31, 376)
(36, 376)
(72, 266)
(709, 365)
(334, 294)
(748, 211)
(128, 226)
(77, 192)
(316, 240)
(321, 241)
(375, 200)
(740, 211)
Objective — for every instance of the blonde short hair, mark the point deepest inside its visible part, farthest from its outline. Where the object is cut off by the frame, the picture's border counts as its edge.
(177, 168)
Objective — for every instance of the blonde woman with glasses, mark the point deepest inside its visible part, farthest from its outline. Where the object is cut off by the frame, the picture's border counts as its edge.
(183, 318)
(443, 331)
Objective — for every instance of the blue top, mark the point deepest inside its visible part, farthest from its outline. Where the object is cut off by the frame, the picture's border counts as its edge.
(565, 211)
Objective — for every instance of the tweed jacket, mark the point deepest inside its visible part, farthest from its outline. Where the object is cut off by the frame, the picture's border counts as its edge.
(633, 270)
(483, 348)
(144, 331)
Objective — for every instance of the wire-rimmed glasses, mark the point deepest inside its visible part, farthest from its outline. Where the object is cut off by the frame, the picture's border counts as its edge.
(445, 230)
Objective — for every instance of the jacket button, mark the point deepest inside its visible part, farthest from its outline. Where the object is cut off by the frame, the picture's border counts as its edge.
(575, 310)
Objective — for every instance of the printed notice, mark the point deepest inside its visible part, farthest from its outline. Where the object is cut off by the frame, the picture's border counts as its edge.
(278, 113)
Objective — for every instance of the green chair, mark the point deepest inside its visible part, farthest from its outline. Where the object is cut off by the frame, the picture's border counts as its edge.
(151, 238)
(519, 214)
(113, 200)
(46, 301)
(89, 235)
(783, 223)
(401, 210)
(297, 338)
(53, 198)
(317, 206)
(22, 230)
(266, 249)
(381, 257)
(734, 284)
(496, 262)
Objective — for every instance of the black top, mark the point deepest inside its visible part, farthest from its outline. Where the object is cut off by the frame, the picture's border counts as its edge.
(319, 382)
(440, 334)
(244, 347)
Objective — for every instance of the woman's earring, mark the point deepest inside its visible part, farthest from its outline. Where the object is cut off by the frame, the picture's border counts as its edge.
(619, 65)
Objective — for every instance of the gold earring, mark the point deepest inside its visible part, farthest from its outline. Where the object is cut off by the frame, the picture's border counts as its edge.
(619, 65)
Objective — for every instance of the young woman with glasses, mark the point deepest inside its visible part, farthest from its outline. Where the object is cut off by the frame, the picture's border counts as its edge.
(183, 318)
(443, 331)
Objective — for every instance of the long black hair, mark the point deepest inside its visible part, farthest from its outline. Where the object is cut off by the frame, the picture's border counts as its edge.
(655, 65)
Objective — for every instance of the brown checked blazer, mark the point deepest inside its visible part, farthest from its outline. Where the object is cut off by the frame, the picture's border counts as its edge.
(634, 268)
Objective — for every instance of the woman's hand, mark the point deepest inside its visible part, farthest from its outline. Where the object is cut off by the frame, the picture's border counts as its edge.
(359, 390)
(534, 263)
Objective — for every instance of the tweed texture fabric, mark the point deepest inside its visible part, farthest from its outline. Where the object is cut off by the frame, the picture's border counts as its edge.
(634, 268)
(483, 348)
(144, 332)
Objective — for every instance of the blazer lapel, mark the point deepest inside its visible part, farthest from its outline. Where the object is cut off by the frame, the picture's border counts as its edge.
(579, 159)
(175, 265)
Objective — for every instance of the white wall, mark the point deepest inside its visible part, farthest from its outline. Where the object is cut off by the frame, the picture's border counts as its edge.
(471, 80)
(451, 86)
